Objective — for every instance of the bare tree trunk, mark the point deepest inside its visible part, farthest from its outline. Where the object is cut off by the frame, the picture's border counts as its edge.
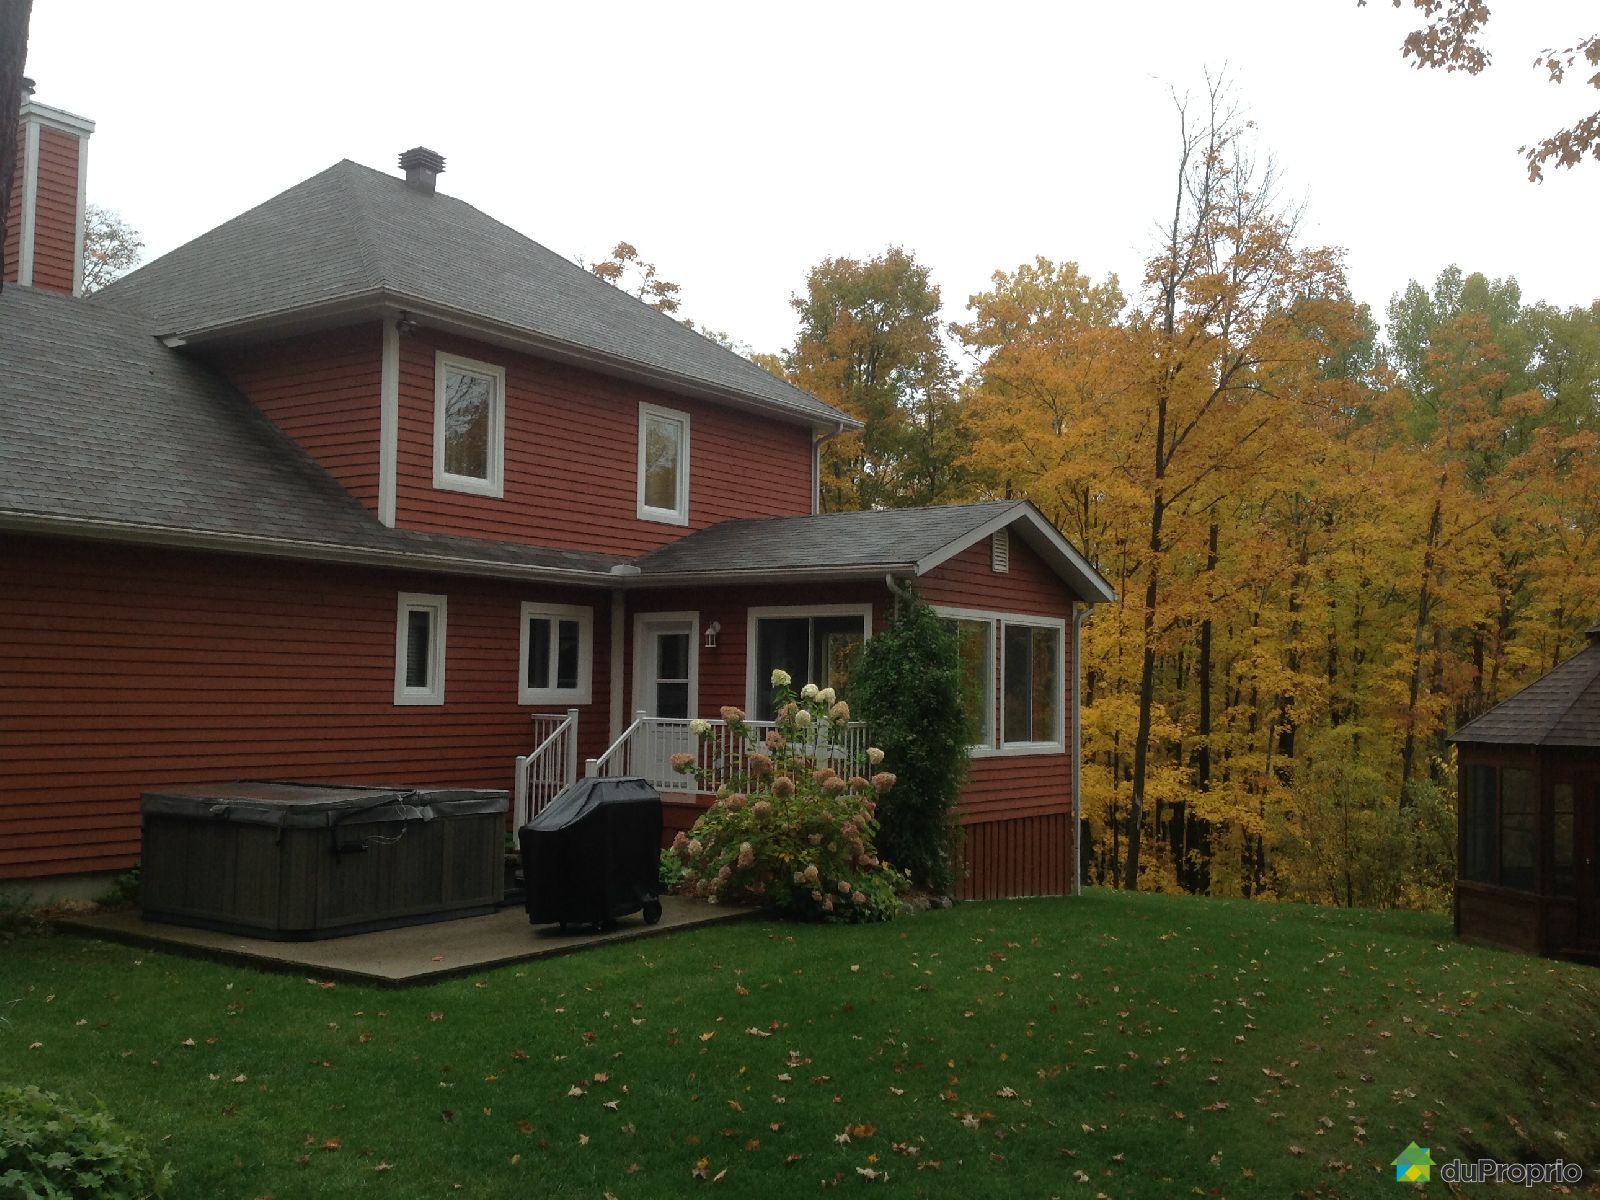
(14, 15)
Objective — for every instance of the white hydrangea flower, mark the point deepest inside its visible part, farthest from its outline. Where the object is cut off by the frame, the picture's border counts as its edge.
(699, 727)
(809, 692)
(781, 678)
(803, 719)
(826, 696)
(874, 755)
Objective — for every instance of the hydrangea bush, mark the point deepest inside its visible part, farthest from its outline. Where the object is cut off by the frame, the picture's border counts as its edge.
(789, 832)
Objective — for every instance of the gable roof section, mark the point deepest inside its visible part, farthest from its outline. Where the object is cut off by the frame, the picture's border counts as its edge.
(351, 239)
(910, 541)
(1560, 708)
(104, 432)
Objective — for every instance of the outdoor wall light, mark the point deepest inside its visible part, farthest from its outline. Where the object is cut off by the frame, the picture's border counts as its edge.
(711, 634)
(405, 325)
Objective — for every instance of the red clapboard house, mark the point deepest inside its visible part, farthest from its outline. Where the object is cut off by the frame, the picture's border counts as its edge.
(365, 486)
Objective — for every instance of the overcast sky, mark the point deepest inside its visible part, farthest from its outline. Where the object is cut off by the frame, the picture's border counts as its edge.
(738, 144)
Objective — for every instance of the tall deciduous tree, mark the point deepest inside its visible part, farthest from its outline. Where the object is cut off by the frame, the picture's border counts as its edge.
(871, 342)
(111, 247)
(625, 269)
(1450, 40)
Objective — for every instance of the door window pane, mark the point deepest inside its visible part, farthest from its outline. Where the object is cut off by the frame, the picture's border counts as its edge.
(672, 699)
(468, 402)
(672, 656)
(1478, 815)
(1563, 881)
(1518, 836)
(836, 648)
(419, 645)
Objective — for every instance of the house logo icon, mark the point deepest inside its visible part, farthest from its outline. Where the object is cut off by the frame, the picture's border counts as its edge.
(1414, 1165)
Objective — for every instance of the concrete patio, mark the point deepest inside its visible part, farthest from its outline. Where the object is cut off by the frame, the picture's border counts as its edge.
(412, 954)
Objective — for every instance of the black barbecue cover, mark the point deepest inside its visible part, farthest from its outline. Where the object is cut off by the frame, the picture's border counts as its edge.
(594, 853)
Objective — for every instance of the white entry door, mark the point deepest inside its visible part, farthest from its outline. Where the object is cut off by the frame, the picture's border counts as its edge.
(666, 685)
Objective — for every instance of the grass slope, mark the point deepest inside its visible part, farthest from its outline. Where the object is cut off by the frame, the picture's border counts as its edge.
(1115, 1045)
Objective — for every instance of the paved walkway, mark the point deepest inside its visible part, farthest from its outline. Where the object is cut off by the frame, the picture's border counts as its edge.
(409, 955)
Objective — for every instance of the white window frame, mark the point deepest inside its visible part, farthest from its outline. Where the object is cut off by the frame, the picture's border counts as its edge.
(555, 613)
(998, 746)
(779, 611)
(438, 609)
(679, 513)
(443, 480)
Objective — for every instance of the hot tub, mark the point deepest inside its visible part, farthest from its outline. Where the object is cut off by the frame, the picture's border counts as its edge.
(294, 861)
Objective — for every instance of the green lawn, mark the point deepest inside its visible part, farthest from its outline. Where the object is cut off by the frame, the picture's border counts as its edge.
(1125, 1046)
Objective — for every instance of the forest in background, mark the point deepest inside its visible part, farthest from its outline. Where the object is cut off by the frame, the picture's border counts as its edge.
(1331, 545)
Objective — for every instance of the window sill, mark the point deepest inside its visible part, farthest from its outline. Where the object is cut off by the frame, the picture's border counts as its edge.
(551, 696)
(663, 516)
(469, 485)
(1019, 750)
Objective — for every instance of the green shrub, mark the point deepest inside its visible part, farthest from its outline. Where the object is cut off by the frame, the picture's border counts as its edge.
(49, 1149)
(907, 687)
(788, 831)
(124, 890)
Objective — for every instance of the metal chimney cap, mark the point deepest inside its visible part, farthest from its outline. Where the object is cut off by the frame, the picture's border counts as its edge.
(27, 88)
(422, 167)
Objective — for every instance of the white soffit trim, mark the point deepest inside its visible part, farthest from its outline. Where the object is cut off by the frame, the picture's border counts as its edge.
(388, 421)
(55, 118)
(30, 204)
(1045, 540)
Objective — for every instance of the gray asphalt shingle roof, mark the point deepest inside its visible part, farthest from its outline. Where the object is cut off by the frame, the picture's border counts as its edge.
(102, 426)
(1560, 708)
(844, 540)
(351, 234)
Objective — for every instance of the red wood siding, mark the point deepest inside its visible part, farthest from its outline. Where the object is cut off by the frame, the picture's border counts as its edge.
(123, 669)
(56, 213)
(1016, 810)
(321, 390)
(571, 458)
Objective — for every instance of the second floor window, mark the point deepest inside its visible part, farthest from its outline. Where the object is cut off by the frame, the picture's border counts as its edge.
(663, 465)
(468, 426)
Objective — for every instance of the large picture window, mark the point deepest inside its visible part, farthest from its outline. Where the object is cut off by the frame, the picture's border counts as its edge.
(419, 649)
(820, 646)
(663, 465)
(468, 426)
(1025, 696)
(557, 654)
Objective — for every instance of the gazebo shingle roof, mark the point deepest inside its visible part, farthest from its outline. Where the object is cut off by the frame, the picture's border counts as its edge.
(1560, 708)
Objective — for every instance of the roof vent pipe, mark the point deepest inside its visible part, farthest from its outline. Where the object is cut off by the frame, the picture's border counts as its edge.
(422, 167)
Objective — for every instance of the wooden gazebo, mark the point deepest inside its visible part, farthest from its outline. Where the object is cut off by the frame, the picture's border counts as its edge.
(1528, 861)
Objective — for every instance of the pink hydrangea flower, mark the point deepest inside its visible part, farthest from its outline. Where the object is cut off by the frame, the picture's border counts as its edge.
(839, 713)
(761, 808)
(834, 786)
(859, 784)
(811, 872)
(815, 839)
(844, 886)
(747, 854)
(827, 904)
(783, 787)
(682, 762)
(823, 774)
(859, 897)
(883, 781)
(735, 802)
(775, 741)
(799, 877)
(679, 840)
(732, 715)
(759, 765)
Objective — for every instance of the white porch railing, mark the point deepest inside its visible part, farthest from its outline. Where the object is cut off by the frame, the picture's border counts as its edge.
(552, 766)
(646, 748)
